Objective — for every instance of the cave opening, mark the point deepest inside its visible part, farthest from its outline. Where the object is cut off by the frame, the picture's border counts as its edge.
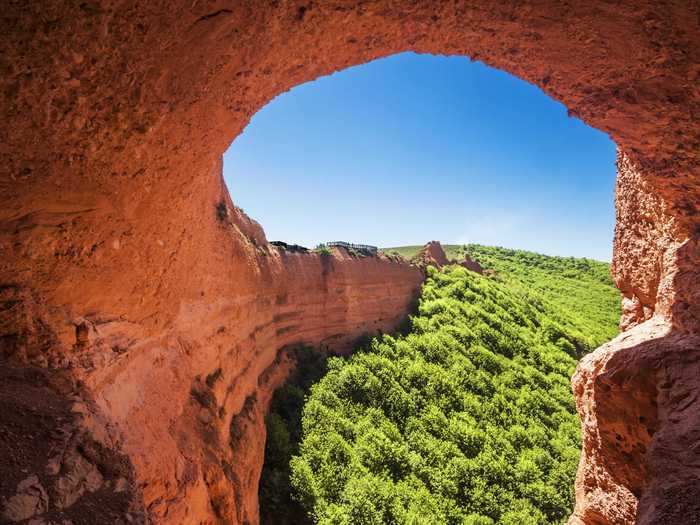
(483, 158)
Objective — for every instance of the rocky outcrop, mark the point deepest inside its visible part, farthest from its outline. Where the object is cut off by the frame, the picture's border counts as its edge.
(432, 254)
(471, 264)
(638, 394)
(125, 263)
(637, 397)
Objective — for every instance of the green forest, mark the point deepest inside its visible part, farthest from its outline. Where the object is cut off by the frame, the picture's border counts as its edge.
(466, 418)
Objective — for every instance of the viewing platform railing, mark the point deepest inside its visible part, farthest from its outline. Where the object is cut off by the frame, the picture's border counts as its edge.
(351, 246)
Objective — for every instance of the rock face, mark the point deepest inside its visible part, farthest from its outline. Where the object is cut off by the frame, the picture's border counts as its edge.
(472, 265)
(189, 402)
(637, 396)
(58, 458)
(432, 254)
(126, 266)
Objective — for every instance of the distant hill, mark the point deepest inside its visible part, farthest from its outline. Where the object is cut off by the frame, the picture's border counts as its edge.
(581, 288)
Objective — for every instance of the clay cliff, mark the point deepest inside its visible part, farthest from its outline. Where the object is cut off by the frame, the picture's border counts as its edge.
(638, 395)
(148, 318)
(186, 405)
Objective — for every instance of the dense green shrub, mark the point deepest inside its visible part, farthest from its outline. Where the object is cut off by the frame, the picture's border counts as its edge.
(323, 250)
(221, 211)
(580, 290)
(469, 417)
(277, 507)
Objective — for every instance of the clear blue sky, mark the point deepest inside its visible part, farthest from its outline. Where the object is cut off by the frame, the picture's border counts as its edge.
(414, 147)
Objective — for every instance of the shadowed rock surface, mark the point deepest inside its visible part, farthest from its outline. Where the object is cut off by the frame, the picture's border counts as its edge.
(57, 457)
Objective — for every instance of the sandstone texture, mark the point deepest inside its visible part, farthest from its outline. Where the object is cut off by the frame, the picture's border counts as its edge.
(57, 457)
(126, 267)
(638, 398)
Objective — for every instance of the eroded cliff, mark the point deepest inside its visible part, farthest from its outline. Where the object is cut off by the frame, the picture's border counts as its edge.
(187, 404)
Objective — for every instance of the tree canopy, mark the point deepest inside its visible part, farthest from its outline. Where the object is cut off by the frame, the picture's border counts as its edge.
(469, 417)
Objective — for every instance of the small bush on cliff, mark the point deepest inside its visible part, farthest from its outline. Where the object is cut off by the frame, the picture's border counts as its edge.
(323, 250)
(221, 211)
(469, 418)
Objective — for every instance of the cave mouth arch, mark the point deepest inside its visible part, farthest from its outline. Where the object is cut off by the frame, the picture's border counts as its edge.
(276, 140)
(112, 162)
(411, 147)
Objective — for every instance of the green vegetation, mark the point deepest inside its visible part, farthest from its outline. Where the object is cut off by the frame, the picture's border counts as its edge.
(408, 252)
(468, 418)
(323, 250)
(221, 211)
(580, 289)
(283, 437)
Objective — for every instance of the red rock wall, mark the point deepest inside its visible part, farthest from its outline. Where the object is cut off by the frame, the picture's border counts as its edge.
(432, 254)
(323, 301)
(187, 400)
(115, 118)
(638, 394)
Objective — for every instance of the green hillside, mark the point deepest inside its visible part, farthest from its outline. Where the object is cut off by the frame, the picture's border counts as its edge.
(580, 288)
(452, 250)
(466, 419)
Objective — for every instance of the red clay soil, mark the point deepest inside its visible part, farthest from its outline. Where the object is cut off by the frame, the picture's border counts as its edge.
(125, 265)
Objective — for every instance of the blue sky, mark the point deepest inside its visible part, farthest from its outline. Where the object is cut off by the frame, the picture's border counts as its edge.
(412, 148)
